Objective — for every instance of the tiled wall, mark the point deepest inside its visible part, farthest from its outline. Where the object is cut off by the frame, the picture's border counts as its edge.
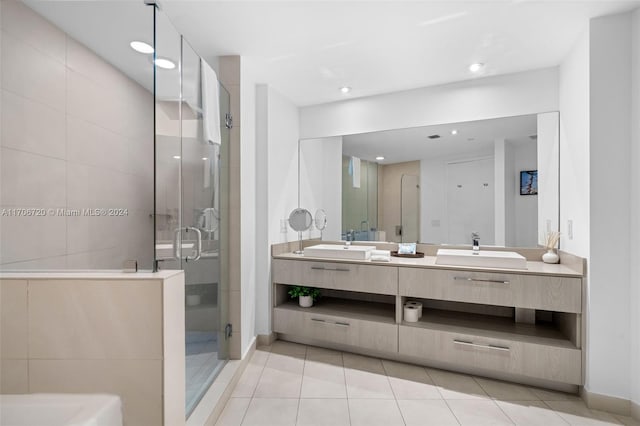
(96, 336)
(76, 133)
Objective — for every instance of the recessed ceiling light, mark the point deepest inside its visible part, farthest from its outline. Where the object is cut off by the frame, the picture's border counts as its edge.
(454, 132)
(205, 158)
(165, 63)
(345, 89)
(177, 157)
(476, 67)
(141, 46)
(380, 158)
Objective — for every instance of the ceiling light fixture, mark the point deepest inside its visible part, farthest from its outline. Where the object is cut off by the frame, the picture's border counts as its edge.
(476, 67)
(345, 89)
(165, 63)
(141, 46)
(454, 132)
(177, 157)
(380, 158)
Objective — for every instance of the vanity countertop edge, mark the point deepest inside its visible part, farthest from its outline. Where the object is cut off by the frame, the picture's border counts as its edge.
(429, 262)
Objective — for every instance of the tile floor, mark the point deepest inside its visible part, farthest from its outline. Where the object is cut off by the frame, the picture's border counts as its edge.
(291, 384)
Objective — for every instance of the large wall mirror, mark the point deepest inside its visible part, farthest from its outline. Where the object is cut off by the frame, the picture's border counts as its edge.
(438, 184)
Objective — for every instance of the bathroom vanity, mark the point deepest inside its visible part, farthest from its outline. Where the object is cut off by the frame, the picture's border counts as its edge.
(469, 315)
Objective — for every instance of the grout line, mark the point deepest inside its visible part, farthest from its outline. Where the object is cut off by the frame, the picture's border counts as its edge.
(452, 412)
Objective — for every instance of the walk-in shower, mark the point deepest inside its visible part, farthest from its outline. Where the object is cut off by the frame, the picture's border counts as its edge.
(115, 144)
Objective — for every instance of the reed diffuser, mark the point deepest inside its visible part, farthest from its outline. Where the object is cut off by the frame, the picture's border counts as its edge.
(550, 242)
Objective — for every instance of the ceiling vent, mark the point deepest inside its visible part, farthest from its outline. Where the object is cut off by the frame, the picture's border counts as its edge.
(434, 136)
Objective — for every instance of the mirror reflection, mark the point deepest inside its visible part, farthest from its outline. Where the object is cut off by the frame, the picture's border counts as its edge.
(440, 184)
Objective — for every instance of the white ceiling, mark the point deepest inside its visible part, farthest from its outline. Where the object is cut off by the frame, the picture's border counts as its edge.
(472, 137)
(308, 49)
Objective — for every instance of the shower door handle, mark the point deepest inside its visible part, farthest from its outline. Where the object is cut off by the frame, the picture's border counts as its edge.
(177, 244)
(198, 244)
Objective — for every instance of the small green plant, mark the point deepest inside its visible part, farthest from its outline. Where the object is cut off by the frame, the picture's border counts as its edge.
(298, 290)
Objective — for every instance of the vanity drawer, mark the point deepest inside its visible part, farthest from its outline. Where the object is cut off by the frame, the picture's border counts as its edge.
(374, 335)
(339, 276)
(563, 294)
(555, 363)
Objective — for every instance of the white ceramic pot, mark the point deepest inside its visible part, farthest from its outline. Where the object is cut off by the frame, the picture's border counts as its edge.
(305, 301)
(550, 256)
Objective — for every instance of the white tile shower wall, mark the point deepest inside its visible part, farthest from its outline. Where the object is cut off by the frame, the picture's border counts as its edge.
(76, 133)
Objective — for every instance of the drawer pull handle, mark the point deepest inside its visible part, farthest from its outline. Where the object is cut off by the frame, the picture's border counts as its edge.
(318, 320)
(345, 324)
(480, 280)
(322, 268)
(475, 345)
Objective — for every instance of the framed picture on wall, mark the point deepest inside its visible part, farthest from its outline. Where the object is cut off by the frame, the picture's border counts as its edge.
(529, 182)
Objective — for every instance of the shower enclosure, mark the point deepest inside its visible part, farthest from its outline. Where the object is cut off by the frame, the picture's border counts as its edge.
(130, 173)
(189, 199)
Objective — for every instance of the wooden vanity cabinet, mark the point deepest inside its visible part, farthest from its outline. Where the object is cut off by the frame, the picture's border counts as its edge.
(467, 323)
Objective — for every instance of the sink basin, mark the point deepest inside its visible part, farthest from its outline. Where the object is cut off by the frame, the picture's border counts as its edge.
(484, 259)
(334, 251)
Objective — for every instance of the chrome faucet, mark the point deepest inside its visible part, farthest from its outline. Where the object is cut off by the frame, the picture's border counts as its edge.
(475, 237)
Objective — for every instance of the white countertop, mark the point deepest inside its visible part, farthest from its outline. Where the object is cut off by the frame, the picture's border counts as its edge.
(92, 275)
(537, 268)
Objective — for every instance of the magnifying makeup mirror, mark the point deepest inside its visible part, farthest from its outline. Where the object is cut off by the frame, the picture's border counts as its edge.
(300, 220)
(320, 220)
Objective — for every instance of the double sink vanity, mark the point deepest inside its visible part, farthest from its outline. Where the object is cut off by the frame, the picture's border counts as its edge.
(516, 321)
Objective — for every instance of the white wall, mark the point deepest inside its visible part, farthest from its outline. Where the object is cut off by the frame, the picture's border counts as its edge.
(276, 188)
(523, 93)
(634, 235)
(574, 148)
(596, 82)
(610, 126)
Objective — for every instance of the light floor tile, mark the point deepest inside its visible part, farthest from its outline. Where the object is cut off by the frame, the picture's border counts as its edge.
(248, 381)
(478, 412)
(363, 363)
(530, 413)
(233, 412)
(506, 391)
(323, 412)
(456, 386)
(277, 383)
(368, 412)
(324, 379)
(271, 412)
(426, 412)
(410, 381)
(576, 413)
(363, 384)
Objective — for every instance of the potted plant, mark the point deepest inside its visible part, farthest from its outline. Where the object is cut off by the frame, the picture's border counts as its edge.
(306, 295)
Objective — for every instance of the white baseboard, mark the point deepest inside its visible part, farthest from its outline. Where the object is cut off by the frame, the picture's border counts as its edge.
(610, 404)
(266, 339)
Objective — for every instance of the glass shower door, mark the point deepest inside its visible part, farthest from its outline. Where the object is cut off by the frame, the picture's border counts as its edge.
(189, 201)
